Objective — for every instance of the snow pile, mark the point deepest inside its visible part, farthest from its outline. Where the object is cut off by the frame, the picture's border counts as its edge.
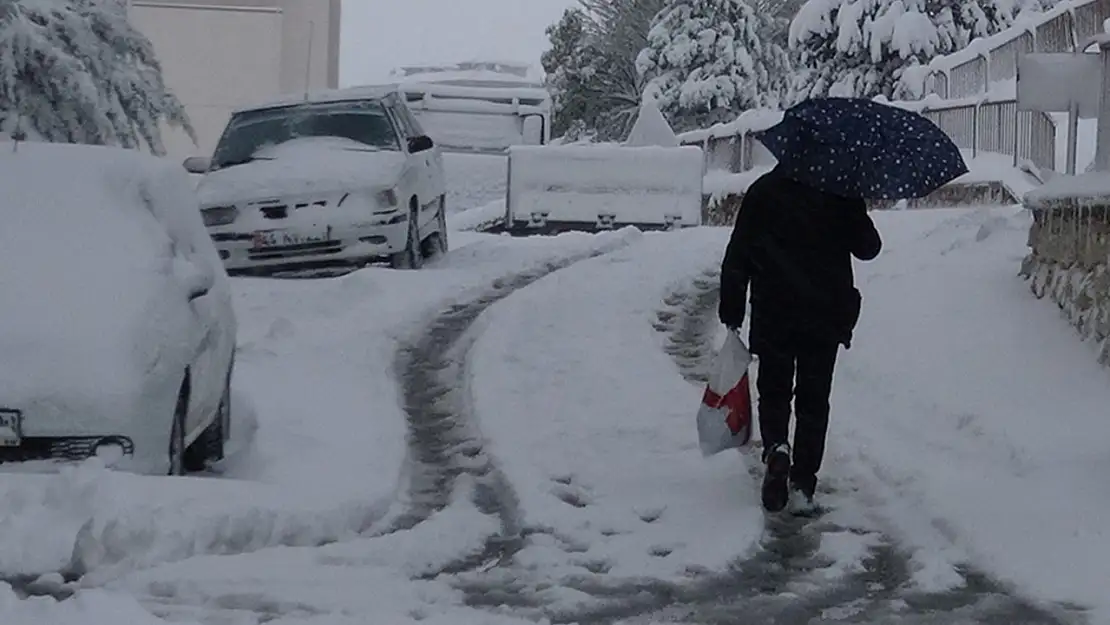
(85, 518)
(651, 128)
(92, 607)
(595, 427)
(478, 218)
(579, 183)
(376, 579)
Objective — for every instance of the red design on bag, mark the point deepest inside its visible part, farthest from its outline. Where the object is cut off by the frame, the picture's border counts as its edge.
(738, 401)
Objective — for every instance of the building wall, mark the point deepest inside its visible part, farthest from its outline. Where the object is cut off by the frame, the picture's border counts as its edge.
(218, 55)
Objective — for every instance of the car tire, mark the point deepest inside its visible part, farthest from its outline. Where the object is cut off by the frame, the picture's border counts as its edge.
(176, 451)
(209, 447)
(436, 243)
(410, 257)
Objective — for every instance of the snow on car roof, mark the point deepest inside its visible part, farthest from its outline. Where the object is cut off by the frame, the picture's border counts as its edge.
(82, 256)
(346, 94)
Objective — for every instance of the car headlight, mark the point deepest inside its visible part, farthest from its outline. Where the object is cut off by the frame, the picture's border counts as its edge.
(380, 201)
(219, 215)
(387, 198)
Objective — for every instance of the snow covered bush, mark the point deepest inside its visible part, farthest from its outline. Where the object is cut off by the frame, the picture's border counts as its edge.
(709, 60)
(77, 71)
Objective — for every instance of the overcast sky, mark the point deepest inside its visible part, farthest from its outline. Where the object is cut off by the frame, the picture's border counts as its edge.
(379, 35)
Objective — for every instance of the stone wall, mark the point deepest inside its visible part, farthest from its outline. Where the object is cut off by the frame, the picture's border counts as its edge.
(1069, 262)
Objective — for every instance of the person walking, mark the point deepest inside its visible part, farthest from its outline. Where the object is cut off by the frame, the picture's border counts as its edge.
(792, 244)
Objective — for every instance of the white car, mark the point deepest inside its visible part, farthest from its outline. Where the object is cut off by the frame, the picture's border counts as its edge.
(343, 178)
(117, 332)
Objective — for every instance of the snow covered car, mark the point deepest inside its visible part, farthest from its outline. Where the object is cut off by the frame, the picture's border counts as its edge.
(343, 178)
(117, 332)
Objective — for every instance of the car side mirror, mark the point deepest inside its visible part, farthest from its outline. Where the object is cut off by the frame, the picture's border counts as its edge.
(197, 164)
(420, 144)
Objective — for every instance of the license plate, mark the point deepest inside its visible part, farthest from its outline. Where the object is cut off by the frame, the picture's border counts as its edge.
(281, 238)
(11, 428)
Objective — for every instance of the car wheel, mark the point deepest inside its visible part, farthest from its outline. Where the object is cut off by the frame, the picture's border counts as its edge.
(209, 447)
(410, 257)
(436, 243)
(177, 433)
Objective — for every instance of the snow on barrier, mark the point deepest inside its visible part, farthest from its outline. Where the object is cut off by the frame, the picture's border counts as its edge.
(987, 61)
(582, 187)
(1009, 151)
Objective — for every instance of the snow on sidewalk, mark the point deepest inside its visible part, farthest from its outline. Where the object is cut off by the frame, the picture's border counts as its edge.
(977, 415)
(593, 423)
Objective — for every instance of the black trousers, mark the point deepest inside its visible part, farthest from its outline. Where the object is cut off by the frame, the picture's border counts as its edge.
(794, 366)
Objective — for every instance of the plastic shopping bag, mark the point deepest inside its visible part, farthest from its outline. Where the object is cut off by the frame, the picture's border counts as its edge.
(725, 414)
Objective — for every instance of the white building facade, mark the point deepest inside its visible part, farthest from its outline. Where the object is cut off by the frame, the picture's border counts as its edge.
(218, 55)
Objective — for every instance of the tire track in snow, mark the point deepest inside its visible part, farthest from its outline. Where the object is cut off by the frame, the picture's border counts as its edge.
(784, 581)
(777, 584)
(444, 441)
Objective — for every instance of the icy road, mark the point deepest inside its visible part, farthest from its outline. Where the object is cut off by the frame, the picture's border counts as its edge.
(507, 437)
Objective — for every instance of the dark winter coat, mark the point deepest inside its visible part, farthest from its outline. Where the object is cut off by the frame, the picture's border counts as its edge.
(793, 245)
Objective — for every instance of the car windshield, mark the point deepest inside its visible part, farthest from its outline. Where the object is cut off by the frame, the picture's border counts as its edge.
(364, 122)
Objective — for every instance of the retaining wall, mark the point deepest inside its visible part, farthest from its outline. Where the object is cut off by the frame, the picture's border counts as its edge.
(1069, 261)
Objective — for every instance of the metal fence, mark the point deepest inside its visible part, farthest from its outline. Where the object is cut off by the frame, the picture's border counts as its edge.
(998, 127)
(1060, 30)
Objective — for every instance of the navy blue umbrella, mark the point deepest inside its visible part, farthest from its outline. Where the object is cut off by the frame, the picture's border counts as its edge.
(863, 149)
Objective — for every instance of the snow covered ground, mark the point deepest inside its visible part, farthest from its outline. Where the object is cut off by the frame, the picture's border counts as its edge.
(473, 180)
(553, 466)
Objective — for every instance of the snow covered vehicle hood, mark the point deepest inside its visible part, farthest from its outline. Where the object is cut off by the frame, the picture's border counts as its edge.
(303, 167)
(91, 307)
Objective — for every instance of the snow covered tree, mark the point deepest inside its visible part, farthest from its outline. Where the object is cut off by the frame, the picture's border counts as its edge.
(709, 60)
(569, 69)
(618, 32)
(599, 81)
(964, 20)
(780, 12)
(861, 47)
(77, 71)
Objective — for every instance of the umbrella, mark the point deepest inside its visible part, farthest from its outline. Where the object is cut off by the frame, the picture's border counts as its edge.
(860, 148)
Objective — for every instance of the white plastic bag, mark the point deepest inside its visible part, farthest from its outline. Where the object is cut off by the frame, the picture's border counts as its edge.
(725, 414)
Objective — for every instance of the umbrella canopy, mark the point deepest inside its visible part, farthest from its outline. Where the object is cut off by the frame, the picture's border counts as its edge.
(860, 148)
